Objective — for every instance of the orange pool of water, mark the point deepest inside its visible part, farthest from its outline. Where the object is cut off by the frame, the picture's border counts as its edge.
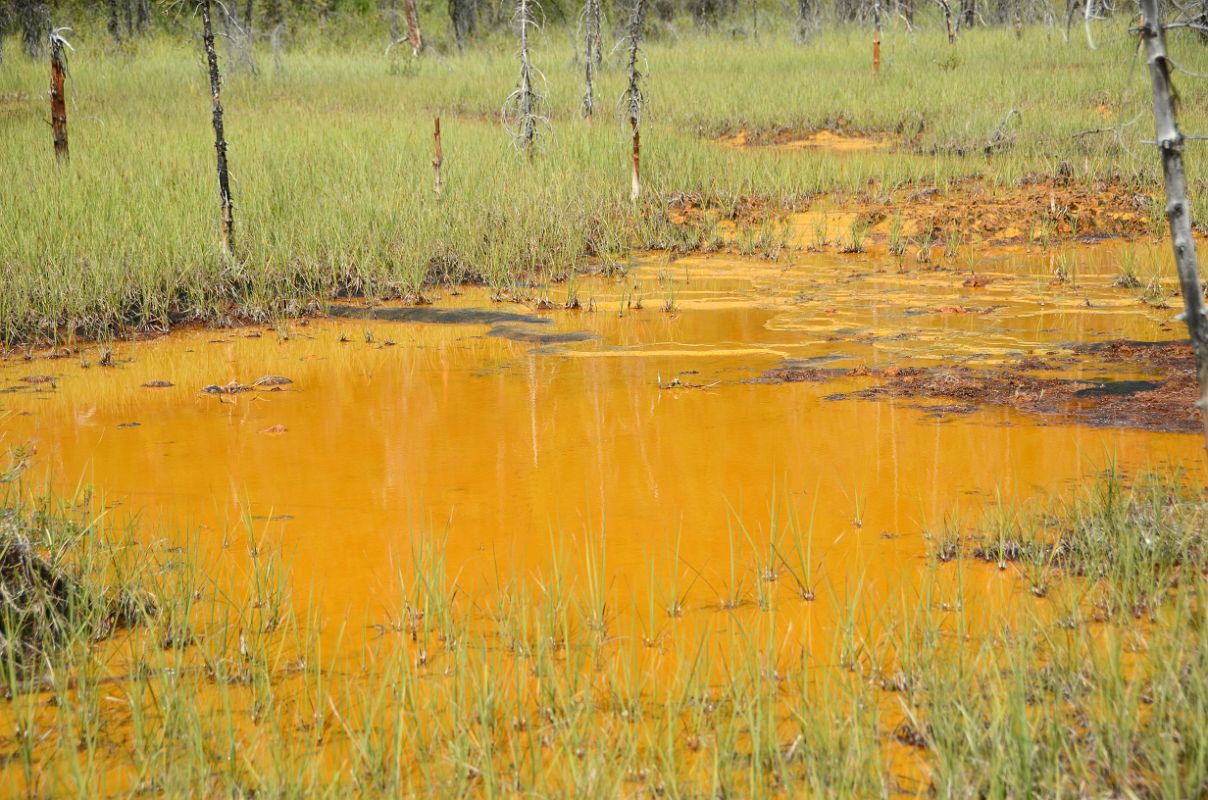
(649, 436)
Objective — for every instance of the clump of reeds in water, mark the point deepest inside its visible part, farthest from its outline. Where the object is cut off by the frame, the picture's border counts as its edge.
(542, 686)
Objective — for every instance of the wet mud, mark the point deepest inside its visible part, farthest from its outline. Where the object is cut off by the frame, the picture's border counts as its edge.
(1164, 403)
(518, 334)
(435, 315)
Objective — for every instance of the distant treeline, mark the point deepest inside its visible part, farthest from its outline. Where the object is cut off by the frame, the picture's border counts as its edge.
(461, 22)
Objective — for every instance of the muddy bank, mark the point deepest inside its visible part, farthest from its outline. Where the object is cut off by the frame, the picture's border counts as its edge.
(1164, 401)
(435, 316)
(1038, 210)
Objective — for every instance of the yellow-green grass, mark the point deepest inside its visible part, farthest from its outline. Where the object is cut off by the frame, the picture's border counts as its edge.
(330, 154)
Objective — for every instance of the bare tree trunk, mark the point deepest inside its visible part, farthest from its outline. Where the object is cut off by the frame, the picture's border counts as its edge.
(115, 25)
(437, 184)
(414, 36)
(633, 96)
(58, 100)
(591, 37)
(273, 13)
(968, 13)
(249, 13)
(33, 18)
(876, 37)
(528, 125)
(275, 43)
(463, 15)
(220, 145)
(805, 19)
(946, 7)
(1170, 144)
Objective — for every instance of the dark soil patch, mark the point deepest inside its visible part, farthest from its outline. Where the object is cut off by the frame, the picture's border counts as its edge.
(1164, 403)
(440, 316)
(518, 334)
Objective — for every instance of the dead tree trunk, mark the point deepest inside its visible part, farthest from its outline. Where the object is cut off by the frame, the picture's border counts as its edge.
(525, 108)
(525, 99)
(876, 37)
(437, 184)
(220, 144)
(58, 100)
(1178, 213)
(414, 36)
(633, 96)
(968, 13)
(946, 7)
(33, 19)
(591, 42)
(115, 25)
(805, 20)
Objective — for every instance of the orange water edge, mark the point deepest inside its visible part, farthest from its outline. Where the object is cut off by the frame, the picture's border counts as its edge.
(652, 444)
(516, 448)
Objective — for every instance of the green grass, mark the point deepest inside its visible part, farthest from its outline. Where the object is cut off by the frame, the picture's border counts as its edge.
(220, 688)
(331, 158)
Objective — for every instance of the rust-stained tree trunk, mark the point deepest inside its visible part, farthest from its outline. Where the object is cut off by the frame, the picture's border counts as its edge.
(1178, 213)
(633, 96)
(58, 100)
(437, 182)
(414, 36)
(220, 144)
(876, 37)
(946, 7)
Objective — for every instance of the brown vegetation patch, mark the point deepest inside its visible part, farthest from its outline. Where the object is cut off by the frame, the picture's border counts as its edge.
(1164, 403)
(1036, 209)
(930, 220)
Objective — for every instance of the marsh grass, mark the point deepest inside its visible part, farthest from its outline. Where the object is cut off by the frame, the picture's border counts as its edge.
(1099, 687)
(329, 158)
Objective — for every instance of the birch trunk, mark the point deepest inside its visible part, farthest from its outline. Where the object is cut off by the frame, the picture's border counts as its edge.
(1170, 145)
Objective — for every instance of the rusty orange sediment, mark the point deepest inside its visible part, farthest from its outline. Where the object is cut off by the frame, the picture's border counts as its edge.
(515, 434)
(828, 141)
